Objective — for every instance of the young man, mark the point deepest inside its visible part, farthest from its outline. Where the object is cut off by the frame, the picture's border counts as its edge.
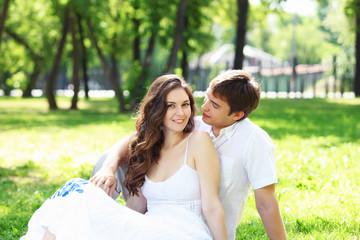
(246, 153)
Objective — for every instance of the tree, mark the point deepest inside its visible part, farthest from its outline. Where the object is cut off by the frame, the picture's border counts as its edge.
(198, 32)
(344, 28)
(355, 6)
(75, 58)
(36, 58)
(34, 34)
(243, 7)
(178, 35)
(50, 83)
(357, 56)
(3, 18)
(83, 56)
(153, 10)
(114, 83)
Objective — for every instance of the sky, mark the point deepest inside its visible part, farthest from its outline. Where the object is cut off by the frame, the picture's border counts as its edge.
(301, 7)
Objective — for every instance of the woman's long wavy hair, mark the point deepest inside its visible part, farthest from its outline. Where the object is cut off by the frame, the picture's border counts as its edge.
(144, 149)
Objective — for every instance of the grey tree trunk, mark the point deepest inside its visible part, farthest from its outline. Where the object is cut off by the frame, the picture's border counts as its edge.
(243, 7)
(179, 28)
(75, 58)
(50, 84)
(114, 84)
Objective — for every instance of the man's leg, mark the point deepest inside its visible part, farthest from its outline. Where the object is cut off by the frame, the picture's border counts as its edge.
(119, 175)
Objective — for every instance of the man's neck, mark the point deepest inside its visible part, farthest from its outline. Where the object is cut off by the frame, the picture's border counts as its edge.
(216, 131)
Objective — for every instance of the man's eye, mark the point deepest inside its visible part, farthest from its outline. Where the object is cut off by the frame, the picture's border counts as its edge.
(215, 106)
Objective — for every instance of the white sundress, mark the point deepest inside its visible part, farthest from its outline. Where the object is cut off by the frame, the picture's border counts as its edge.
(81, 210)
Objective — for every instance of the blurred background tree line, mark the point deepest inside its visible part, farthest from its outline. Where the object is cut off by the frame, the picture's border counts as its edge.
(133, 41)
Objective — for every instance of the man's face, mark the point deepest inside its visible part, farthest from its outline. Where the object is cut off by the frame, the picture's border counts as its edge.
(216, 112)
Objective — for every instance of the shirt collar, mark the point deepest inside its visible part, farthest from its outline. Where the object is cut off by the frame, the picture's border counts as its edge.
(228, 132)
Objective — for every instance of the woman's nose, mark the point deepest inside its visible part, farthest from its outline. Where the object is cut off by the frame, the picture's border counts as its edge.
(179, 111)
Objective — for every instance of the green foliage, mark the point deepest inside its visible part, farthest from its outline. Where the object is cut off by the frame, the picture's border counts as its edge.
(317, 150)
(209, 25)
(338, 23)
(35, 30)
(198, 35)
(12, 63)
(273, 33)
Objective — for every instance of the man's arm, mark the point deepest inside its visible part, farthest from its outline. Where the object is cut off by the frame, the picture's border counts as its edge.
(268, 208)
(106, 175)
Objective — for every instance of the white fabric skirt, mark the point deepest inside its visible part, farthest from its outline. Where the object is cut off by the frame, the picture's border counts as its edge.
(81, 210)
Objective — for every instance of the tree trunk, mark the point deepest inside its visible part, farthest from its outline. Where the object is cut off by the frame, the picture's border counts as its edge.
(3, 18)
(116, 78)
(5, 87)
(83, 57)
(293, 57)
(179, 28)
(50, 84)
(138, 87)
(115, 85)
(243, 7)
(185, 65)
(34, 76)
(185, 47)
(75, 57)
(137, 40)
(357, 56)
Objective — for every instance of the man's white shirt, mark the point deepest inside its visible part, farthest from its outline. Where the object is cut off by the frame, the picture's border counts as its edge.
(247, 160)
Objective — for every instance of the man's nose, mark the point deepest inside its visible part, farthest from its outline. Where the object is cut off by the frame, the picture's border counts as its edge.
(204, 106)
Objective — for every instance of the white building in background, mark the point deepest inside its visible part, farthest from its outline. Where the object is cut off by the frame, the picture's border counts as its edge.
(210, 64)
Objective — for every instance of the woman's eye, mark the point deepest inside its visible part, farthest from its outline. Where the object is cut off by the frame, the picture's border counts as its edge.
(170, 105)
(186, 104)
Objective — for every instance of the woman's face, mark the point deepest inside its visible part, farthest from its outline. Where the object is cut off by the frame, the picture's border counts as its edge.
(178, 110)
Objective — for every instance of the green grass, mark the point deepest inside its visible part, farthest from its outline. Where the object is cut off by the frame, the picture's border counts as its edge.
(317, 149)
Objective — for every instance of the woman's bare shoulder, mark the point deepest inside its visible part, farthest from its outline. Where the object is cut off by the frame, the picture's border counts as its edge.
(200, 139)
(200, 134)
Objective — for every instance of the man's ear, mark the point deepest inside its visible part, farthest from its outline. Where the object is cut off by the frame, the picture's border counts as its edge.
(238, 115)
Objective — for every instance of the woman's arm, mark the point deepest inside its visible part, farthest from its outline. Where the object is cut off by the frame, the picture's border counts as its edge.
(208, 168)
(137, 203)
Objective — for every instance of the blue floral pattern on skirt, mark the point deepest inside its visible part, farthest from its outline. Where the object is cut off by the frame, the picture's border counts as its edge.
(75, 184)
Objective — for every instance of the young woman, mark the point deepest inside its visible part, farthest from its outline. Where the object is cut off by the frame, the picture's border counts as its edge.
(172, 177)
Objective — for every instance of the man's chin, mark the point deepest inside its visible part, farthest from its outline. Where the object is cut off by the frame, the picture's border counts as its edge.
(206, 120)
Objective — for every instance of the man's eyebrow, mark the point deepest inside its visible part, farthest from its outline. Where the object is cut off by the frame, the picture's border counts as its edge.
(213, 102)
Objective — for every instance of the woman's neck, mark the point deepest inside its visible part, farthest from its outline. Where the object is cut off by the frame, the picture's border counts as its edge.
(171, 139)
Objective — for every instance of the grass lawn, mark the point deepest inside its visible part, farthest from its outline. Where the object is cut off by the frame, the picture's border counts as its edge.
(317, 148)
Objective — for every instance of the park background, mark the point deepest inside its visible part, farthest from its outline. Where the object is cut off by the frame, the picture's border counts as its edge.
(72, 72)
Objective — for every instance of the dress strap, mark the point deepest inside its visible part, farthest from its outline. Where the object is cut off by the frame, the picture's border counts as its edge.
(186, 150)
